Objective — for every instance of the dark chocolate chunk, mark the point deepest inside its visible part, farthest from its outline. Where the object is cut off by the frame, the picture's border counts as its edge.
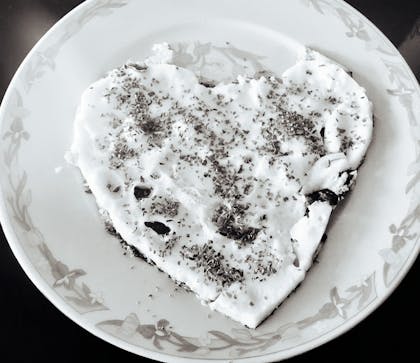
(142, 192)
(324, 195)
(350, 177)
(158, 227)
(206, 83)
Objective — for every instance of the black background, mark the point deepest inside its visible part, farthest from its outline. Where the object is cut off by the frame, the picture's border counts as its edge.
(33, 330)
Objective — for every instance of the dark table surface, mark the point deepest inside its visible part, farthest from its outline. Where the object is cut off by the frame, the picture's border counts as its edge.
(33, 330)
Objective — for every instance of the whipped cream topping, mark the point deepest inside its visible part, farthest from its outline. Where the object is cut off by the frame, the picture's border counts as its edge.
(228, 188)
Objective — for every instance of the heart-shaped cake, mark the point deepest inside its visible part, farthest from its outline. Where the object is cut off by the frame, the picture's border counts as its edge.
(228, 188)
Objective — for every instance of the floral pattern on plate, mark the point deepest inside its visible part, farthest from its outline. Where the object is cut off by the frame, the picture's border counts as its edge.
(241, 341)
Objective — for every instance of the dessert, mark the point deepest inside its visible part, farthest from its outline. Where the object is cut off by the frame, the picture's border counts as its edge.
(228, 188)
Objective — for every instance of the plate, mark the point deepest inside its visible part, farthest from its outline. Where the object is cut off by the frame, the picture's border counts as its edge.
(56, 234)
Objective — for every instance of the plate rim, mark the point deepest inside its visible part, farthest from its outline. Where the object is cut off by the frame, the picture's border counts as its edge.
(80, 320)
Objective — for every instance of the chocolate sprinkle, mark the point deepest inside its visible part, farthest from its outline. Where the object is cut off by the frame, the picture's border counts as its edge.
(212, 263)
(228, 223)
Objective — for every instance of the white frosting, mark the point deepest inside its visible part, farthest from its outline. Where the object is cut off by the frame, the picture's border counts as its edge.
(233, 171)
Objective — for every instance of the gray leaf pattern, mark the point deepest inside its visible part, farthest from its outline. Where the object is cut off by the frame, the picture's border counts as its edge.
(205, 59)
(19, 201)
(43, 61)
(243, 341)
(402, 236)
(65, 280)
(316, 4)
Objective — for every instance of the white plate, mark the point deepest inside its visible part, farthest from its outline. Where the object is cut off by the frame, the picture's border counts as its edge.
(53, 226)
